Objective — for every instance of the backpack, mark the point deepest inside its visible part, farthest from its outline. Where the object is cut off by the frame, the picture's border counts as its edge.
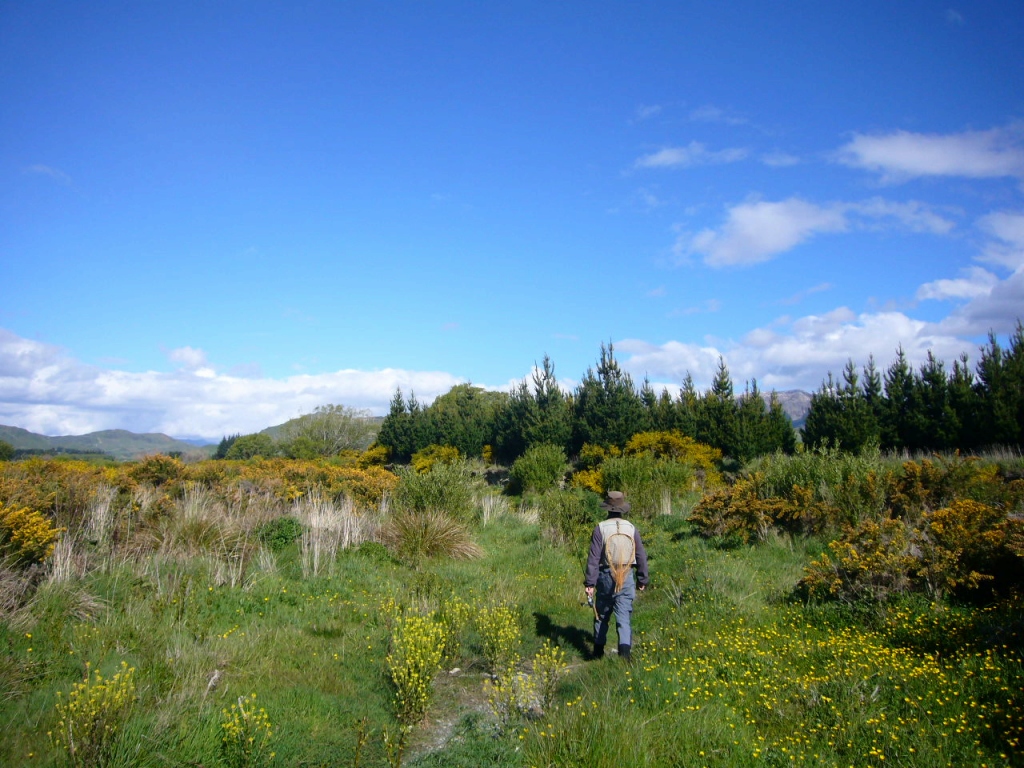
(619, 548)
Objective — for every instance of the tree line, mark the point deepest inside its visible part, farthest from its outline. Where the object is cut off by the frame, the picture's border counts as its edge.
(929, 409)
(605, 409)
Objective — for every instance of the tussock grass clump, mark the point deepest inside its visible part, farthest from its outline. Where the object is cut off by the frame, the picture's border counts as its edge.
(415, 537)
(328, 527)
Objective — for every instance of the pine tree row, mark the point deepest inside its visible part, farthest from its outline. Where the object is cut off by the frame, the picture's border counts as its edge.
(928, 409)
(605, 409)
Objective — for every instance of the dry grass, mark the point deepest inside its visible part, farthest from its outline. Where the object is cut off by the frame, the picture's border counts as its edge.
(328, 527)
(417, 536)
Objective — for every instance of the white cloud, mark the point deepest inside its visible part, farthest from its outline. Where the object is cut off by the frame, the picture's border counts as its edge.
(1006, 247)
(797, 354)
(694, 153)
(976, 282)
(45, 390)
(757, 231)
(903, 155)
(998, 310)
(712, 114)
(54, 173)
(913, 215)
(647, 111)
(954, 17)
(798, 297)
(779, 159)
(190, 358)
(708, 306)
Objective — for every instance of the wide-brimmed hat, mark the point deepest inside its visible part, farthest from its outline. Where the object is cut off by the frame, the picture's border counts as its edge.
(615, 501)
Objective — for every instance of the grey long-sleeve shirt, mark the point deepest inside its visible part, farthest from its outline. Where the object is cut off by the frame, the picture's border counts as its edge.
(596, 554)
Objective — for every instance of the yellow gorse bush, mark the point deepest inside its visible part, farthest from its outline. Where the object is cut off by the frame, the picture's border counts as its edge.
(92, 714)
(247, 734)
(26, 536)
(417, 644)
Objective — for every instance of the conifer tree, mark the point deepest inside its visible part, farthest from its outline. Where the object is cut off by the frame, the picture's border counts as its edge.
(607, 409)
(396, 429)
(899, 389)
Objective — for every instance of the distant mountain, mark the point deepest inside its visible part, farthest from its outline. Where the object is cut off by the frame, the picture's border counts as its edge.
(119, 443)
(795, 403)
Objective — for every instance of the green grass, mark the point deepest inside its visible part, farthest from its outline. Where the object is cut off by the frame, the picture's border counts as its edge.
(728, 670)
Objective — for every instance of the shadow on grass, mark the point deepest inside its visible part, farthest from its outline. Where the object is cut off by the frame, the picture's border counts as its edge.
(559, 635)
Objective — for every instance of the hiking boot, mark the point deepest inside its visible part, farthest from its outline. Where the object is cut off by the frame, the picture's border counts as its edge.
(624, 652)
(598, 651)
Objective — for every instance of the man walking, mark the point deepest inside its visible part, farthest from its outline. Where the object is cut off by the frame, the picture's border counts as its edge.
(615, 552)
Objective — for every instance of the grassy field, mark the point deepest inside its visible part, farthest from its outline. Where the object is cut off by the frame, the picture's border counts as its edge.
(729, 669)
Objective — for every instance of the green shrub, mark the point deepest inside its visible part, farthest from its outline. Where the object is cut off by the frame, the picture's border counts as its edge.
(447, 488)
(279, 532)
(568, 517)
(541, 468)
(650, 484)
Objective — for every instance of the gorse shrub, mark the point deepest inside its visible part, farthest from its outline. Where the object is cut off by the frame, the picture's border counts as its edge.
(247, 735)
(744, 512)
(541, 468)
(966, 545)
(682, 449)
(26, 536)
(92, 715)
(872, 562)
(425, 460)
(417, 643)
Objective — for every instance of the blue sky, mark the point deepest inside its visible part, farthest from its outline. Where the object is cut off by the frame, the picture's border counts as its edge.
(217, 216)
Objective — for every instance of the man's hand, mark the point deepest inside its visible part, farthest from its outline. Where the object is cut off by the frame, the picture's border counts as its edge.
(642, 587)
(589, 591)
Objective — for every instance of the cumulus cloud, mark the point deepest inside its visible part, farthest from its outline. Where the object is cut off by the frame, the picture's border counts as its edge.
(904, 155)
(190, 358)
(46, 390)
(998, 310)
(796, 354)
(759, 230)
(975, 282)
(694, 153)
(1005, 230)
